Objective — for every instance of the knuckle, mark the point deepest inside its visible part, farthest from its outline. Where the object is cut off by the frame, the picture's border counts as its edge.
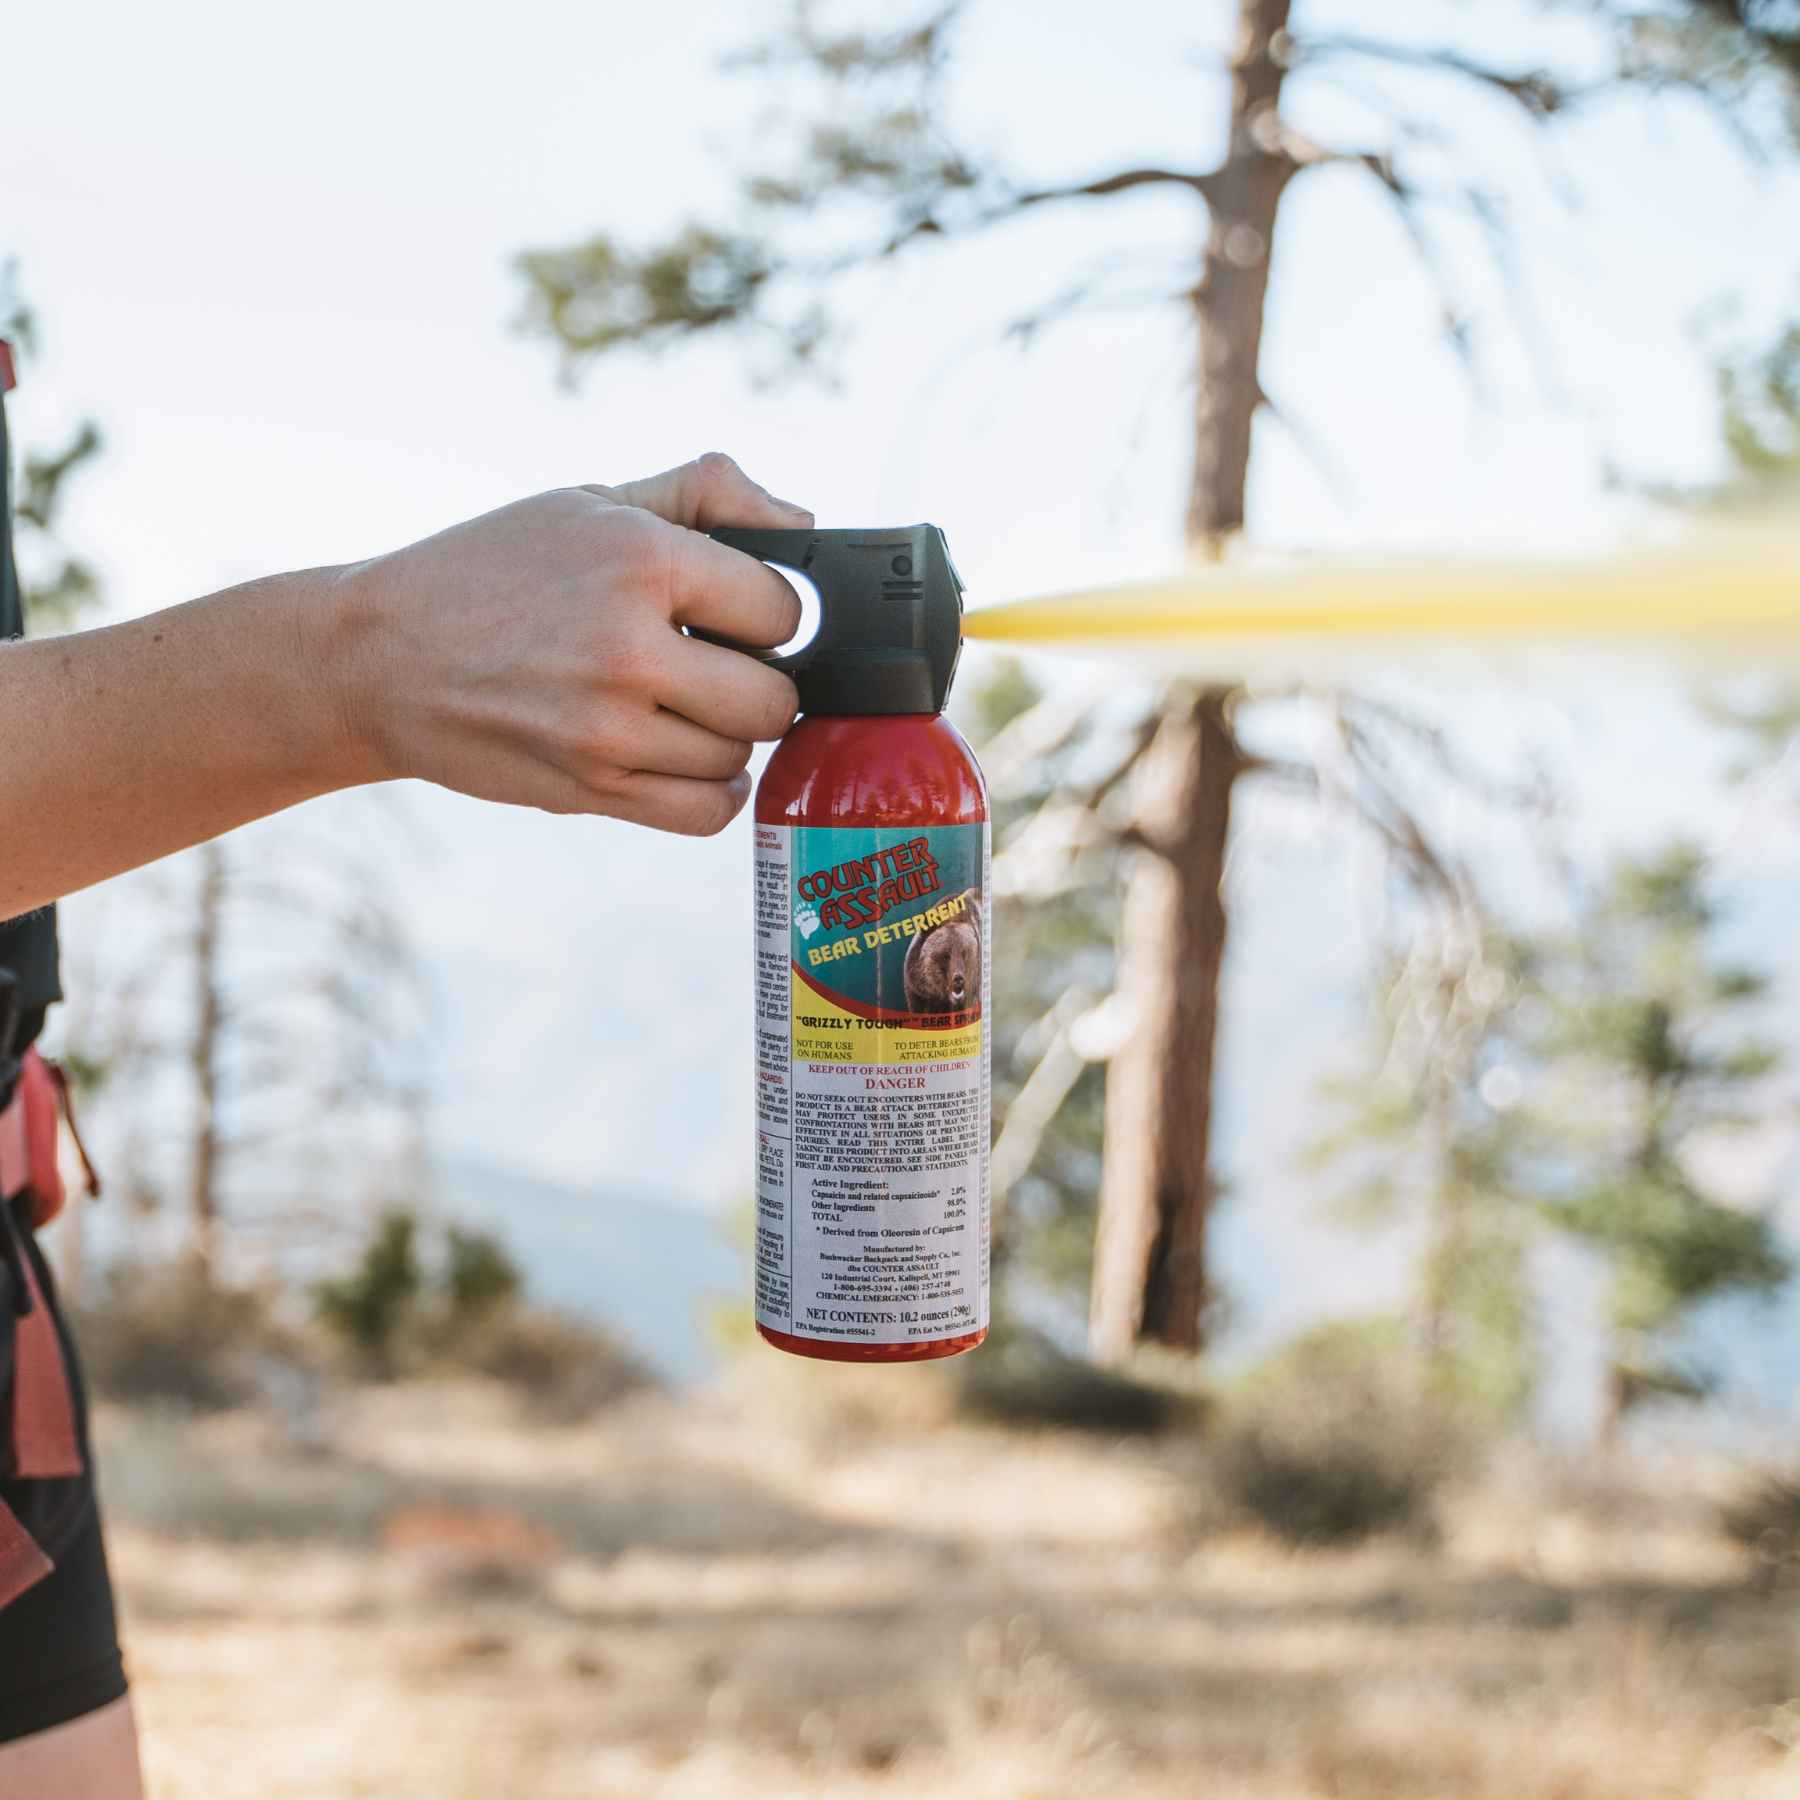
(602, 748)
(598, 747)
(632, 660)
(779, 701)
(594, 762)
(715, 468)
(714, 809)
(577, 502)
(638, 542)
(721, 760)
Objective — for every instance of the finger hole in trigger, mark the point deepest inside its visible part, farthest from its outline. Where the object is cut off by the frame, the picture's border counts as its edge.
(806, 592)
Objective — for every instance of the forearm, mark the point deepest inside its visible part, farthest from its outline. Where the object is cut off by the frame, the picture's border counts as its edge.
(120, 745)
(538, 655)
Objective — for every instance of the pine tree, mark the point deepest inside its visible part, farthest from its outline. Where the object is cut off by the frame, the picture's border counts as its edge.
(1648, 1052)
(872, 167)
(56, 583)
(1428, 1133)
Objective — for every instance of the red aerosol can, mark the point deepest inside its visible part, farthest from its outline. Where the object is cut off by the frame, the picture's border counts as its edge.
(873, 968)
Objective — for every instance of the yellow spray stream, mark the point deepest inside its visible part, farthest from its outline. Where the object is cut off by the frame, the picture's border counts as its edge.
(1747, 589)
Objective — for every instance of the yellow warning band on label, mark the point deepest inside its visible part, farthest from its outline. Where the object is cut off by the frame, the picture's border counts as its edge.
(823, 1032)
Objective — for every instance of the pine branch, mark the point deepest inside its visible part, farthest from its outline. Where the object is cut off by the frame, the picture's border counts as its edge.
(1412, 203)
(1041, 730)
(1433, 742)
(929, 224)
(1536, 92)
(1307, 442)
(1303, 777)
(1409, 203)
(1043, 852)
(1035, 1106)
(1202, 182)
(1085, 297)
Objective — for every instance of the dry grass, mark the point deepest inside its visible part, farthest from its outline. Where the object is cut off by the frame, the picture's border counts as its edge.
(690, 1598)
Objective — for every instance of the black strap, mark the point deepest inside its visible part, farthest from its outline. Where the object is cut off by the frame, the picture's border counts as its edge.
(12, 608)
(9, 1027)
(27, 945)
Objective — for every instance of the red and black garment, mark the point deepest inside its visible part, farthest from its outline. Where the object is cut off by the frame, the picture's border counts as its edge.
(46, 1490)
(59, 1647)
(38, 1440)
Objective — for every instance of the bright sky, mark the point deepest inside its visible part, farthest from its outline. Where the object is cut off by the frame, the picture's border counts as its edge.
(271, 251)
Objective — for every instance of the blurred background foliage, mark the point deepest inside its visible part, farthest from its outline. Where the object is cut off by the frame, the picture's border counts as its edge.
(1488, 1115)
(57, 584)
(1111, 857)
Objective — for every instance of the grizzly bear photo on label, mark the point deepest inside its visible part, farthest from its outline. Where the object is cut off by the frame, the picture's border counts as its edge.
(943, 966)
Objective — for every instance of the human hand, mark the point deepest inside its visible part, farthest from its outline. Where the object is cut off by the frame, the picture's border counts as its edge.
(536, 654)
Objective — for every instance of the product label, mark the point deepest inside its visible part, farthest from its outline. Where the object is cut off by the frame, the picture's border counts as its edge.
(872, 970)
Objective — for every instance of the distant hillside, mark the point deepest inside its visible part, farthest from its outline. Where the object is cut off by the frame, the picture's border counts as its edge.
(647, 1270)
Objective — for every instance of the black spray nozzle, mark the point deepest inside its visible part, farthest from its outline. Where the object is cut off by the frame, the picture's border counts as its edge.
(890, 616)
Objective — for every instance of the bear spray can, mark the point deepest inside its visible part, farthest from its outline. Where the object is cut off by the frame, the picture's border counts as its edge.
(873, 968)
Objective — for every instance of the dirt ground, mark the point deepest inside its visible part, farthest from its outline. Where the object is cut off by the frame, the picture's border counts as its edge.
(714, 1597)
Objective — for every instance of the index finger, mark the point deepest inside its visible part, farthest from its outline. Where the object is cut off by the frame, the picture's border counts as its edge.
(728, 593)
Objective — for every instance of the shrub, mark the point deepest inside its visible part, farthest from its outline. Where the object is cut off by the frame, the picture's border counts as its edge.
(1321, 1483)
(479, 1275)
(1324, 1448)
(1020, 1377)
(564, 1369)
(1765, 1519)
(468, 1318)
(164, 1332)
(368, 1309)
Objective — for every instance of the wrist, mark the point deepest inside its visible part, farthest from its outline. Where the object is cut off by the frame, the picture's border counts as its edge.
(341, 632)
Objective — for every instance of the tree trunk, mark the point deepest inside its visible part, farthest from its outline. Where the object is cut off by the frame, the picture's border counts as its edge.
(1234, 280)
(1150, 1281)
(203, 1197)
(1615, 1402)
